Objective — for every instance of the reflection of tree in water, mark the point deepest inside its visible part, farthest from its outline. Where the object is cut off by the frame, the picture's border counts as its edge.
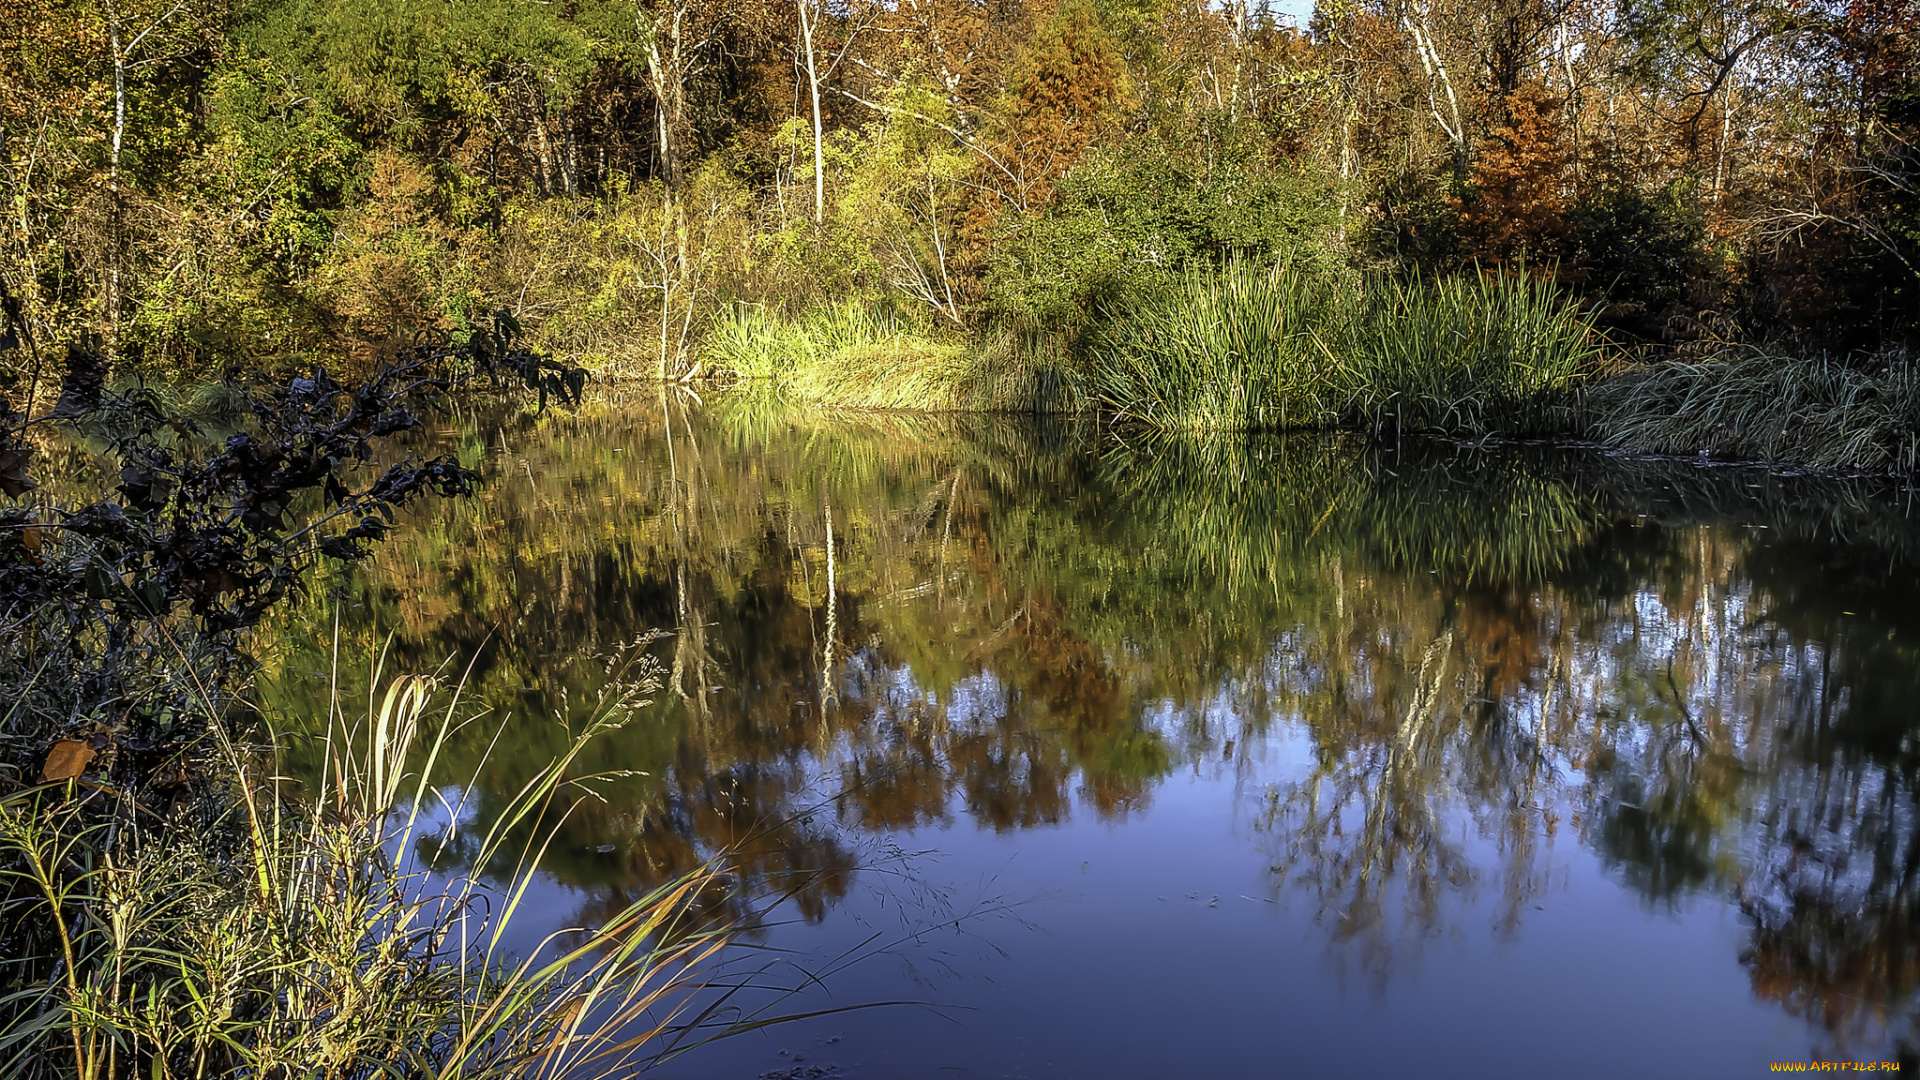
(1695, 723)
(1832, 879)
(1831, 898)
(796, 583)
(1483, 654)
(1363, 832)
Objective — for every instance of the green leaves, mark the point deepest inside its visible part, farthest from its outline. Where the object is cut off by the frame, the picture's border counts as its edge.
(406, 62)
(1127, 222)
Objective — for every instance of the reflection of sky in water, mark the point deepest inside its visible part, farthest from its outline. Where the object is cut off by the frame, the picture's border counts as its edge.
(1170, 952)
(1160, 949)
(1155, 769)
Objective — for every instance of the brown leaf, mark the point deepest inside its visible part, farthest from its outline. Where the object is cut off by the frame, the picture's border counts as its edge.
(66, 760)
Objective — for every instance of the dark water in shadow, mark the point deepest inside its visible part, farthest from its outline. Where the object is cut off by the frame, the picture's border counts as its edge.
(1222, 759)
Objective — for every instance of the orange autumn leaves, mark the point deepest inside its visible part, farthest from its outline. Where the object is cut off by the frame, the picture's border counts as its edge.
(1516, 201)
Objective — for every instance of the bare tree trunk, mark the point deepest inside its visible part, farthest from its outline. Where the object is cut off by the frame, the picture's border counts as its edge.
(1439, 84)
(669, 158)
(667, 72)
(1720, 151)
(1572, 108)
(543, 144)
(121, 51)
(813, 86)
(112, 299)
(1239, 56)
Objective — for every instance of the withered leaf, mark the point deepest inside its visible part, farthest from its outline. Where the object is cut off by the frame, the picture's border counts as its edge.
(66, 760)
(13, 471)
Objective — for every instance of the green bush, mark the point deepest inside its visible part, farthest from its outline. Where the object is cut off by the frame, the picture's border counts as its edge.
(1126, 225)
(1639, 254)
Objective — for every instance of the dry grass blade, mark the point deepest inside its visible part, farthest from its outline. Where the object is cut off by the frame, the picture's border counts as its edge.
(299, 936)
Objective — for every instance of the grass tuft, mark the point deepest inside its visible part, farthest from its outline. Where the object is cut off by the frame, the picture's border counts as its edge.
(1752, 404)
(302, 935)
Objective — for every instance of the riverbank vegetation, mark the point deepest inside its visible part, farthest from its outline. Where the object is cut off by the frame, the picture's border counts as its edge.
(1010, 184)
(1249, 348)
(174, 898)
(251, 931)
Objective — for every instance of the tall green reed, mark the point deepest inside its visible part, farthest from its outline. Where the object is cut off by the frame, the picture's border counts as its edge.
(1249, 347)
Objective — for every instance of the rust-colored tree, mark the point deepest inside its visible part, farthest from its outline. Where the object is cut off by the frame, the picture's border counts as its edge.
(1064, 90)
(1516, 203)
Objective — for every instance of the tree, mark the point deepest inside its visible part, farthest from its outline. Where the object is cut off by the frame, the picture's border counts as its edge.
(1515, 205)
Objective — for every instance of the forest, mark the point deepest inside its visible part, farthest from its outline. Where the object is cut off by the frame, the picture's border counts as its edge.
(914, 195)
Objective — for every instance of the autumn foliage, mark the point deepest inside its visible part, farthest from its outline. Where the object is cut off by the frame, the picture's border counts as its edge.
(295, 177)
(1516, 198)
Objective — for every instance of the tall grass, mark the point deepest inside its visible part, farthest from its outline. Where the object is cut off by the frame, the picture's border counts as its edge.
(862, 356)
(1247, 348)
(1753, 404)
(299, 935)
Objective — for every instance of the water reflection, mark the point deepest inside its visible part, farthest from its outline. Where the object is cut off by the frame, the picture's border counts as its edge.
(882, 624)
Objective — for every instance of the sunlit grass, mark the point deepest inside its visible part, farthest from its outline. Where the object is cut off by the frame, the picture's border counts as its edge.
(846, 354)
(858, 356)
(1254, 348)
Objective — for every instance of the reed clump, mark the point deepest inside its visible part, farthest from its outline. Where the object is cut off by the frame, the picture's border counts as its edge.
(1248, 347)
(1757, 404)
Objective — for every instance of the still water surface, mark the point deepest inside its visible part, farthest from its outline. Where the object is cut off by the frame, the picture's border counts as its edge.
(1112, 758)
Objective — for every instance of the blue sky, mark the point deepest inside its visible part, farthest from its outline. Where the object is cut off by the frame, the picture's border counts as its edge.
(1301, 10)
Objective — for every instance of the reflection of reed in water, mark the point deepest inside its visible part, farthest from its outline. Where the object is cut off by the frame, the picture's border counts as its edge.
(1245, 510)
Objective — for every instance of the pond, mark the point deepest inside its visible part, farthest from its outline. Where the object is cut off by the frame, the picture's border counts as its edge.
(1111, 757)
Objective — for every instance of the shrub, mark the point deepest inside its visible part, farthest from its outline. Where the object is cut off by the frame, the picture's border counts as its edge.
(1639, 256)
(1127, 224)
